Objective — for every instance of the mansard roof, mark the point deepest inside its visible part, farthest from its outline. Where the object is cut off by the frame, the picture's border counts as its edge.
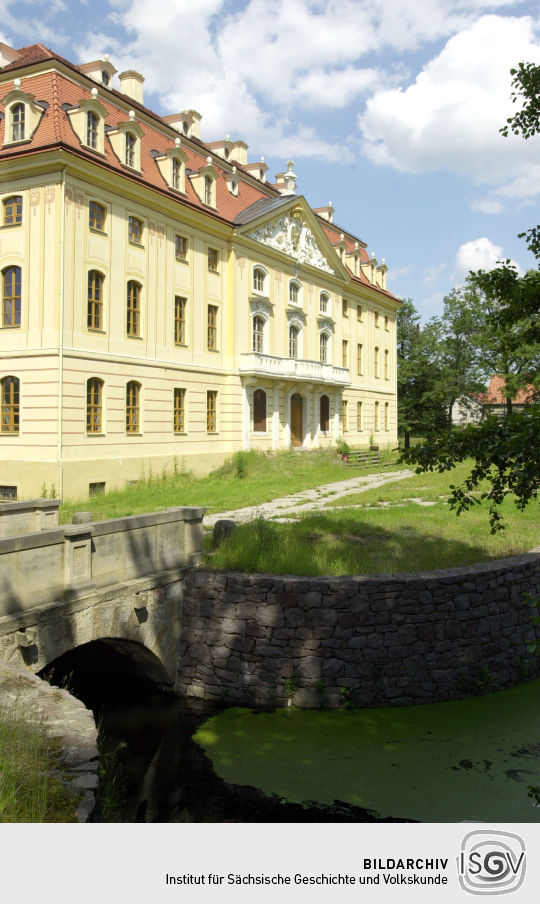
(63, 85)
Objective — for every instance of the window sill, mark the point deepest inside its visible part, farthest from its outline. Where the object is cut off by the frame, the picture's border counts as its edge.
(11, 225)
(136, 244)
(9, 326)
(180, 432)
(214, 350)
(139, 338)
(181, 260)
(96, 231)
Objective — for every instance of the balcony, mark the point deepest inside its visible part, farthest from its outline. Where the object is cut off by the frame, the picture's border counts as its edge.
(293, 369)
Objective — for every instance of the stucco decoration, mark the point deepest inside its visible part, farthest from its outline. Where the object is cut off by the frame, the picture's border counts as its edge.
(296, 318)
(292, 235)
(260, 306)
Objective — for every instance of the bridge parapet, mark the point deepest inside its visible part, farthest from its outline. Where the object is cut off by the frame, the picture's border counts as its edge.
(17, 518)
(74, 559)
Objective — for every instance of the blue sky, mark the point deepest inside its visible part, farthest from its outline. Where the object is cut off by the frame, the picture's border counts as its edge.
(391, 109)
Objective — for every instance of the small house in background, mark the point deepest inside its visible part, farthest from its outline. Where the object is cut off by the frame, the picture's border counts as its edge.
(472, 408)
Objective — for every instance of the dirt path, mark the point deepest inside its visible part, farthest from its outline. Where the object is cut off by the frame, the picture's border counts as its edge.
(308, 500)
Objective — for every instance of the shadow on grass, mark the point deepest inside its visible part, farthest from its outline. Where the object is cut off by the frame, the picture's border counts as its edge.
(320, 544)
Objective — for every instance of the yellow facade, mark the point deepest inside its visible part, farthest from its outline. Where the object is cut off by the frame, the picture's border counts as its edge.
(159, 335)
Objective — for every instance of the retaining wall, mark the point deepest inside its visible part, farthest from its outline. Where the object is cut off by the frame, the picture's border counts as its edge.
(391, 639)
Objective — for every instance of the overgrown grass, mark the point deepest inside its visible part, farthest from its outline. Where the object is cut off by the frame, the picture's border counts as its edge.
(249, 478)
(31, 789)
(402, 537)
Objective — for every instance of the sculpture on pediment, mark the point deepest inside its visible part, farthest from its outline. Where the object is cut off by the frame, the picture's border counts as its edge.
(292, 235)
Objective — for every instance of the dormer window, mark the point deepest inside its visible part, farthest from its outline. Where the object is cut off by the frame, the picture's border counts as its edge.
(294, 293)
(208, 189)
(129, 149)
(175, 176)
(18, 115)
(105, 78)
(259, 280)
(22, 115)
(204, 182)
(185, 127)
(92, 123)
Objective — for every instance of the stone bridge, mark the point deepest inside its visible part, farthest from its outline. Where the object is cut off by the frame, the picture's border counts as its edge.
(119, 581)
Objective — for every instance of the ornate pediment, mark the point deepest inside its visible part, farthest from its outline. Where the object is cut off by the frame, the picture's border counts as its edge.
(291, 234)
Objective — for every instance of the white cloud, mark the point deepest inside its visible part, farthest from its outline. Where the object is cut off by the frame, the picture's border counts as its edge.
(434, 273)
(478, 254)
(450, 117)
(487, 205)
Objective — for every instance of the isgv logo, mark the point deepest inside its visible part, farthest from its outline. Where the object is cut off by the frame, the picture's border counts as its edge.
(491, 863)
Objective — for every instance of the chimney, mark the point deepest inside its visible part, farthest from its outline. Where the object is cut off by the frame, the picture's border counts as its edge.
(239, 152)
(7, 55)
(131, 83)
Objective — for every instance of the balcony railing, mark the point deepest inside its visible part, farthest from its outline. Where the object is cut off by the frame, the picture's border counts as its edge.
(293, 368)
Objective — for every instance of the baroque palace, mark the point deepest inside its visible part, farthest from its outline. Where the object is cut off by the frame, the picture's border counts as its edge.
(162, 300)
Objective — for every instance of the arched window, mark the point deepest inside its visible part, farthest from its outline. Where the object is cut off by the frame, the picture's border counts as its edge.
(10, 394)
(324, 301)
(376, 425)
(92, 123)
(386, 415)
(294, 292)
(259, 411)
(386, 364)
(94, 405)
(17, 122)
(129, 152)
(259, 279)
(133, 318)
(133, 391)
(324, 413)
(323, 348)
(258, 334)
(12, 210)
(376, 361)
(95, 301)
(11, 296)
(175, 176)
(294, 332)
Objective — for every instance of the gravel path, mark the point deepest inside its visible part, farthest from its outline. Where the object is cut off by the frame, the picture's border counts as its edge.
(308, 500)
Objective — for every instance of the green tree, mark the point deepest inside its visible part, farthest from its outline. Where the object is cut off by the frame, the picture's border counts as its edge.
(419, 406)
(526, 122)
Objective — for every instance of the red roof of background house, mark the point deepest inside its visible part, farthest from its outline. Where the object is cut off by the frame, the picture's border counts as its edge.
(495, 393)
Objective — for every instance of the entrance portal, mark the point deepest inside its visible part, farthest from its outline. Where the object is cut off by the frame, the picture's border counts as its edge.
(296, 420)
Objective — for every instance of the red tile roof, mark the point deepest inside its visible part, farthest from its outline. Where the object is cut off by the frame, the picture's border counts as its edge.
(495, 393)
(54, 129)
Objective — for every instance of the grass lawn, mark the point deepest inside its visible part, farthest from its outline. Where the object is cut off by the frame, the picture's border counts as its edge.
(467, 760)
(248, 479)
(397, 537)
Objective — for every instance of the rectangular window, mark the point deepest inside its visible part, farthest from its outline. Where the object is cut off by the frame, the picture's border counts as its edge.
(180, 320)
(8, 492)
(133, 318)
(96, 489)
(345, 353)
(135, 230)
(359, 416)
(180, 247)
(360, 359)
(212, 327)
(179, 410)
(211, 411)
(13, 210)
(345, 307)
(213, 259)
(96, 216)
(343, 416)
(359, 313)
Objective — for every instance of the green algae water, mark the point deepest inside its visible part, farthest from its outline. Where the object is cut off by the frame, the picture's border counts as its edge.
(466, 760)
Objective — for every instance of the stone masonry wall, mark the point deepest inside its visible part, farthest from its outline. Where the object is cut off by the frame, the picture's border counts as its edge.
(386, 639)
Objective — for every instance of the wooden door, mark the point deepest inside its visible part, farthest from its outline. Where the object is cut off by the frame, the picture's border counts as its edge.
(296, 420)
